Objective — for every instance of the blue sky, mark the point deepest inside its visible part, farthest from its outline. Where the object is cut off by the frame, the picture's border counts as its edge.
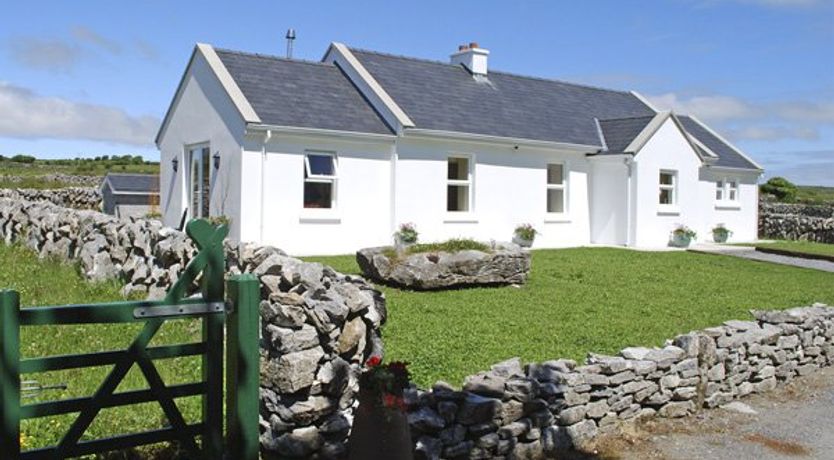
(87, 78)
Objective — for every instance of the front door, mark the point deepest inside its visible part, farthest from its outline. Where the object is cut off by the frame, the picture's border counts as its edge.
(199, 186)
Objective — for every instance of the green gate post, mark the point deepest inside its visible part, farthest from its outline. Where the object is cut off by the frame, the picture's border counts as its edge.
(213, 285)
(243, 367)
(10, 374)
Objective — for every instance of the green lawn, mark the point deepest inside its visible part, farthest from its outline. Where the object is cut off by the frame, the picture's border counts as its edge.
(581, 300)
(799, 246)
(52, 283)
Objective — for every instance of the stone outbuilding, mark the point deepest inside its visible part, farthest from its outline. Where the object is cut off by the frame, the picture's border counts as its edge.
(130, 195)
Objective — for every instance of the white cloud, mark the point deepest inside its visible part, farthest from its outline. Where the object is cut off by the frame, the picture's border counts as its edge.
(45, 54)
(29, 115)
(745, 120)
(87, 35)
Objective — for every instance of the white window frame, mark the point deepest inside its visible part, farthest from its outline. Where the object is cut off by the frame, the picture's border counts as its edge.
(321, 179)
(729, 194)
(563, 187)
(673, 187)
(188, 172)
(469, 182)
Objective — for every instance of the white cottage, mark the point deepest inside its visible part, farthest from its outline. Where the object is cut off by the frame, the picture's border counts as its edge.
(328, 157)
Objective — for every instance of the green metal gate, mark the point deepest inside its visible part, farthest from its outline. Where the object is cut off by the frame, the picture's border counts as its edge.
(239, 317)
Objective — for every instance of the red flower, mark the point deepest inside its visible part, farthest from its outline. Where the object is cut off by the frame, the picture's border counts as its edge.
(393, 402)
(373, 361)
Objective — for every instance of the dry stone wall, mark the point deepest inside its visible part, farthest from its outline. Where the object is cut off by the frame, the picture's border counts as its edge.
(317, 326)
(69, 179)
(543, 409)
(72, 197)
(797, 222)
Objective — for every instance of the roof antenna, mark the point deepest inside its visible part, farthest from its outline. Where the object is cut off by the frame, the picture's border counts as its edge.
(290, 38)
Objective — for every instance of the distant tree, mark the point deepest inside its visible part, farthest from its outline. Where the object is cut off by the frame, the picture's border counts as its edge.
(23, 159)
(105, 157)
(781, 188)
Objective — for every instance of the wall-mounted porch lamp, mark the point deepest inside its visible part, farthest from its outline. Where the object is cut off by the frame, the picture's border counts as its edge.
(216, 158)
(175, 164)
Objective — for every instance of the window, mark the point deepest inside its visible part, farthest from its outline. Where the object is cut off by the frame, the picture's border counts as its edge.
(199, 183)
(458, 184)
(726, 190)
(732, 190)
(556, 188)
(320, 180)
(668, 187)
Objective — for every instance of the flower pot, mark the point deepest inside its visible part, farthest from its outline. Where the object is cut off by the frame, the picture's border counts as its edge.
(524, 243)
(379, 433)
(680, 240)
(720, 237)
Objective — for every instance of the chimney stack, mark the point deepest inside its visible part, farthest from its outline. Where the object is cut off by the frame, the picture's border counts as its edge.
(473, 57)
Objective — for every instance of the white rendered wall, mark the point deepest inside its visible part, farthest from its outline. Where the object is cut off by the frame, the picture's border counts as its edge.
(741, 216)
(508, 188)
(666, 150)
(276, 215)
(609, 201)
(203, 113)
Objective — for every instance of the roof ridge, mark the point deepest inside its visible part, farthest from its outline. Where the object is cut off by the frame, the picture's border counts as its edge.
(503, 72)
(273, 57)
(627, 118)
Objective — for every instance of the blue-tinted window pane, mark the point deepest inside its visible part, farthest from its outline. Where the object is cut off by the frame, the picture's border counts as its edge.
(321, 165)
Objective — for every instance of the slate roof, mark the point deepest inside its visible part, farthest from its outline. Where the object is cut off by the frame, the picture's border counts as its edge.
(133, 183)
(619, 132)
(442, 96)
(445, 97)
(727, 156)
(292, 92)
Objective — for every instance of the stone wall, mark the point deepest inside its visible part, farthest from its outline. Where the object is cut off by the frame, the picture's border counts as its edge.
(69, 179)
(538, 410)
(73, 197)
(797, 222)
(317, 326)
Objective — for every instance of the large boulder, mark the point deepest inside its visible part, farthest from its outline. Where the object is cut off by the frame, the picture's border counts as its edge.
(505, 263)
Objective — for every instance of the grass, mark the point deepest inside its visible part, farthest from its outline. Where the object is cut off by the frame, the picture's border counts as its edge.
(52, 283)
(807, 247)
(581, 300)
(30, 173)
(450, 245)
(814, 194)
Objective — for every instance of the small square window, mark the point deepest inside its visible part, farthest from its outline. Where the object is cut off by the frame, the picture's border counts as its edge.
(319, 181)
(555, 200)
(458, 168)
(668, 188)
(555, 174)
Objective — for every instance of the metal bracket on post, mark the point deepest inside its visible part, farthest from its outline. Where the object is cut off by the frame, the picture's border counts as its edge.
(193, 309)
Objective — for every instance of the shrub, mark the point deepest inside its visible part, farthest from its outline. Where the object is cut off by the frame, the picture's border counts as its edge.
(684, 231)
(781, 188)
(526, 232)
(720, 229)
(28, 159)
(407, 233)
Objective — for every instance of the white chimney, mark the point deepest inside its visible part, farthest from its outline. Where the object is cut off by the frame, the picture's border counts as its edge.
(472, 57)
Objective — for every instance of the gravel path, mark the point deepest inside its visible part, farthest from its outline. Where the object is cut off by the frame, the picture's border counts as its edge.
(750, 253)
(793, 421)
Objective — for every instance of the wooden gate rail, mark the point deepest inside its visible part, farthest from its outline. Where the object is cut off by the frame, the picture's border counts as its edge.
(242, 363)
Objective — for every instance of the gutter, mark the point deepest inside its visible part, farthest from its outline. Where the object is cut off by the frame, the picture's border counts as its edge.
(293, 130)
(485, 138)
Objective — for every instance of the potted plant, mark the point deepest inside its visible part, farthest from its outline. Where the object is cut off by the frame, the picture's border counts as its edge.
(682, 236)
(524, 235)
(406, 235)
(720, 233)
(380, 426)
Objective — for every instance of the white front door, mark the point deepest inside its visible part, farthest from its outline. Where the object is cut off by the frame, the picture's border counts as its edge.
(199, 184)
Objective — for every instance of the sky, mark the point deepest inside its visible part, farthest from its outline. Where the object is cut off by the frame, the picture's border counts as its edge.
(88, 78)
